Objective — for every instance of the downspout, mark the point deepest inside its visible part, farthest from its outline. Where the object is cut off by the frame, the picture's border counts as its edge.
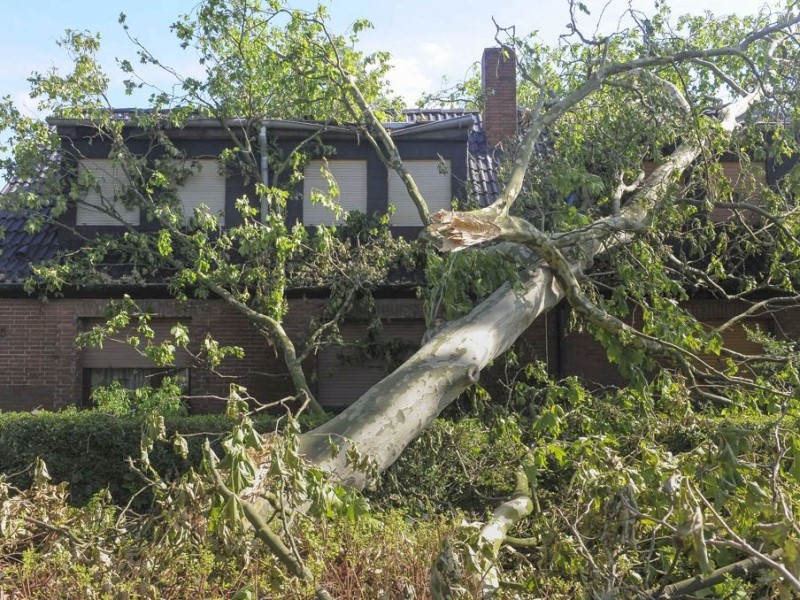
(262, 144)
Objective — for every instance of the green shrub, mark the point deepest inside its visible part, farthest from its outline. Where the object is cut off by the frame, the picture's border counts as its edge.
(116, 400)
(88, 449)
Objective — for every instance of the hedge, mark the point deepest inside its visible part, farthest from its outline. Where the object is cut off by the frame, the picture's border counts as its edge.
(88, 449)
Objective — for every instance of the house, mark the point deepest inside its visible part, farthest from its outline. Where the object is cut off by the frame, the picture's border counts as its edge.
(446, 151)
(450, 153)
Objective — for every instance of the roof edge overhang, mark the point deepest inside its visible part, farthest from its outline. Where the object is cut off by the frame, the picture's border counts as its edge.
(464, 124)
(450, 129)
(287, 128)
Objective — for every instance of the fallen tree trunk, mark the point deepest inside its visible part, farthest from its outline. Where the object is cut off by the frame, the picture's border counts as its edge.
(396, 410)
(400, 407)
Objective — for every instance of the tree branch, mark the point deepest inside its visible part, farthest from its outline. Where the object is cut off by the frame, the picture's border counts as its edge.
(742, 569)
(262, 530)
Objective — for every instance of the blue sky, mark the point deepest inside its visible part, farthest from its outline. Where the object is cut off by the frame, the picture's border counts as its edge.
(428, 40)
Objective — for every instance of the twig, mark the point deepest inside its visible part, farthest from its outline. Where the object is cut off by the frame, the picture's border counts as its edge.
(262, 530)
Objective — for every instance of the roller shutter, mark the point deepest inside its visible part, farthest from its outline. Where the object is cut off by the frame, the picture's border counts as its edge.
(342, 377)
(120, 355)
(110, 180)
(350, 177)
(736, 338)
(745, 189)
(204, 187)
(433, 182)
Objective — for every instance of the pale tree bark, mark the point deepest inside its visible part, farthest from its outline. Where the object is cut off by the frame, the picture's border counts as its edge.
(492, 536)
(397, 409)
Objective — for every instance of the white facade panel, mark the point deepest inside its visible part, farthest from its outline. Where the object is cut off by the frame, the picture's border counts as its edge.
(350, 177)
(110, 179)
(434, 184)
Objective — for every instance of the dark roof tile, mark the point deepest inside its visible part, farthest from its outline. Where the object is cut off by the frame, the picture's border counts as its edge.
(482, 171)
(20, 248)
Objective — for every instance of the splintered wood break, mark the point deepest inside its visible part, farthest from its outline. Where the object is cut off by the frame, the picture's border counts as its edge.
(455, 231)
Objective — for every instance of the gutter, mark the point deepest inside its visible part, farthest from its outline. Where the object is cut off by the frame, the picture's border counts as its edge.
(297, 126)
(285, 125)
(190, 123)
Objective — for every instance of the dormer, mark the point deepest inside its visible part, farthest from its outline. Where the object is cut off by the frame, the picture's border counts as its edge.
(435, 152)
(87, 156)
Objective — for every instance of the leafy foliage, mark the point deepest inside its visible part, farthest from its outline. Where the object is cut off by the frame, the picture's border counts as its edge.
(116, 400)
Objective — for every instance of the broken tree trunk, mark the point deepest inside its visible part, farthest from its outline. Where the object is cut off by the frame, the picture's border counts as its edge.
(396, 410)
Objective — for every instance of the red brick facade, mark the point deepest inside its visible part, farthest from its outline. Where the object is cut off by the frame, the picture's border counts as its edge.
(41, 368)
(585, 358)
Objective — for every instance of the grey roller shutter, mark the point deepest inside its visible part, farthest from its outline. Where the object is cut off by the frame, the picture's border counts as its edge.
(350, 177)
(204, 187)
(110, 180)
(433, 182)
(342, 377)
(116, 354)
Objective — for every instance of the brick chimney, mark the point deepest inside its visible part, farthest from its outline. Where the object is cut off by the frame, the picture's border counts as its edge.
(499, 80)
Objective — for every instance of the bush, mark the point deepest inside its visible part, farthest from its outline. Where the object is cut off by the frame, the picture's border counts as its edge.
(88, 449)
(117, 400)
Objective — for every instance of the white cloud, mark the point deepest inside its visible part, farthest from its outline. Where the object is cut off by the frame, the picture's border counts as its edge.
(409, 78)
(437, 55)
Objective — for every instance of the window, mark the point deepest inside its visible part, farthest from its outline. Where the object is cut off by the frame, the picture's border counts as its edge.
(344, 373)
(204, 187)
(119, 361)
(433, 180)
(132, 379)
(737, 338)
(110, 180)
(350, 177)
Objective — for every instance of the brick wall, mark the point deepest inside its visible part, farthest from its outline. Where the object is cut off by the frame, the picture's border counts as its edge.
(38, 366)
(585, 358)
(499, 80)
(41, 368)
